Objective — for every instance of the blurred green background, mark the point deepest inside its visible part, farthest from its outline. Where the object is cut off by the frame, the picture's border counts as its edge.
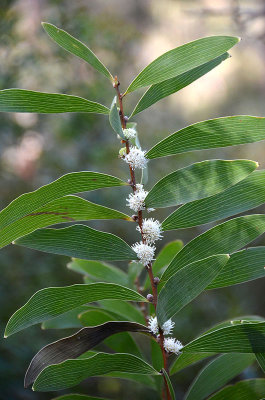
(36, 149)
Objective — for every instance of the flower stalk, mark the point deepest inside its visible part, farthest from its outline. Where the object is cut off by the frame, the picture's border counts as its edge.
(148, 265)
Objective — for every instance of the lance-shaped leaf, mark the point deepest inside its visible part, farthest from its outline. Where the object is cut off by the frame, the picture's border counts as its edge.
(224, 238)
(217, 373)
(186, 284)
(219, 132)
(99, 271)
(245, 195)
(79, 241)
(50, 302)
(71, 372)
(74, 46)
(240, 338)
(182, 59)
(164, 257)
(65, 209)
(114, 118)
(184, 360)
(125, 310)
(166, 88)
(253, 389)
(243, 266)
(29, 101)
(261, 360)
(75, 345)
(75, 182)
(169, 384)
(68, 319)
(199, 180)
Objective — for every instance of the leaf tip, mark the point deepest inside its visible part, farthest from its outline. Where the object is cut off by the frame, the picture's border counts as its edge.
(257, 164)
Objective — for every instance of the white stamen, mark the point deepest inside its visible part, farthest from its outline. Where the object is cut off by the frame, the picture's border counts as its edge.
(136, 199)
(168, 326)
(151, 230)
(172, 345)
(144, 252)
(153, 325)
(136, 158)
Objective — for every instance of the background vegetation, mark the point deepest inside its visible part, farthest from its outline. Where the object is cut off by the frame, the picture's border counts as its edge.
(36, 149)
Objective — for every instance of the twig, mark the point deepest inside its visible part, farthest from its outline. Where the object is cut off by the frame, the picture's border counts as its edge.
(116, 85)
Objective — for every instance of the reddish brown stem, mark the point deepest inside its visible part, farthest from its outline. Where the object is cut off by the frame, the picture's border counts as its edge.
(140, 222)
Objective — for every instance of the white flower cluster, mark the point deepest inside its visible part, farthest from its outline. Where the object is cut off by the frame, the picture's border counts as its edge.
(151, 230)
(166, 327)
(136, 158)
(144, 252)
(136, 200)
(171, 345)
(129, 133)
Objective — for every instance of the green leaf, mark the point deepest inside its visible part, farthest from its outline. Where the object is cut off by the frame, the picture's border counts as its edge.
(65, 209)
(240, 338)
(115, 120)
(166, 88)
(20, 100)
(243, 266)
(75, 182)
(182, 59)
(68, 319)
(252, 389)
(164, 257)
(184, 360)
(72, 347)
(199, 180)
(217, 373)
(124, 309)
(261, 360)
(75, 396)
(146, 380)
(74, 46)
(224, 238)
(186, 284)
(99, 271)
(244, 319)
(245, 195)
(71, 372)
(50, 302)
(79, 241)
(219, 132)
(169, 384)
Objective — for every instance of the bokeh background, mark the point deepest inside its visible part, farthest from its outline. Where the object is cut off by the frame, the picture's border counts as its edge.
(36, 149)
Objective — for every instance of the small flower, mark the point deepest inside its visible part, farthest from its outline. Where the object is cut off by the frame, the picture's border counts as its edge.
(144, 252)
(136, 158)
(129, 133)
(171, 345)
(153, 325)
(151, 230)
(168, 326)
(136, 199)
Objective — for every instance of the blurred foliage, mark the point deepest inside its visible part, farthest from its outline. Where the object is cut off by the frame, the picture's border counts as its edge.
(36, 149)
